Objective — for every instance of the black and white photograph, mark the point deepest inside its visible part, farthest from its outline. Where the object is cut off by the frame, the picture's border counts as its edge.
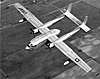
(50, 39)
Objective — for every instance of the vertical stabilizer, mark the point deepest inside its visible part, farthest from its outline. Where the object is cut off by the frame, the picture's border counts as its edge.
(69, 7)
(67, 10)
(83, 26)
(85, 20)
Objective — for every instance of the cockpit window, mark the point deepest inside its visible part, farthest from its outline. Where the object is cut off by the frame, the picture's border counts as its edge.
(29, 42)
(31, 45)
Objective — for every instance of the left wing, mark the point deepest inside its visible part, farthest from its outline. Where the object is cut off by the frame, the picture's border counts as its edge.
(61, 45)
(35, 22)
(28, 15)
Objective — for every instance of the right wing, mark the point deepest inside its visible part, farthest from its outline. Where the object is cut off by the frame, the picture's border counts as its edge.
(66, 50)
(73, 56)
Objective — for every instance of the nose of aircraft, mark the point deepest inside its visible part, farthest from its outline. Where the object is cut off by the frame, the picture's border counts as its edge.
(27, 48)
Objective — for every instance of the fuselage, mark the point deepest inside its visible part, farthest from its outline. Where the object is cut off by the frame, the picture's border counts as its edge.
(52, 22)
(47, 24)
(66, 36)
(35, 41)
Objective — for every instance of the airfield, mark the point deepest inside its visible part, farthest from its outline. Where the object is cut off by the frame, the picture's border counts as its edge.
(41, 63)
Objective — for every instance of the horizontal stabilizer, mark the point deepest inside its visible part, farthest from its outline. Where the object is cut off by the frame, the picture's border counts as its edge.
(83, 25)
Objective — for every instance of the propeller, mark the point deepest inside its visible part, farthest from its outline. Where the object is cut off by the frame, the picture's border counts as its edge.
(32, 32)
(48, 46)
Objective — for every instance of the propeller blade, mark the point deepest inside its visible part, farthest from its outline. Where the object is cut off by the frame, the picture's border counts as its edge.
(32, 32)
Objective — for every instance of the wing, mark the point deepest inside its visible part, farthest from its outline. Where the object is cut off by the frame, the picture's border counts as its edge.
(28, 15)
(73, 56)
(66, 50)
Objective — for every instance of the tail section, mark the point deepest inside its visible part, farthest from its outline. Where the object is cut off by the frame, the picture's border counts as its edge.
(83, 26)
(85, 20)
(68, 9)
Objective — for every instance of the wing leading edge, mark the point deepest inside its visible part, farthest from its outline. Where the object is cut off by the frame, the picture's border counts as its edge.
(66, 50)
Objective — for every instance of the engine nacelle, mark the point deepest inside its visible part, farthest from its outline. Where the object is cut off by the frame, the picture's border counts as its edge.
(51, 45)
(35, 30)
